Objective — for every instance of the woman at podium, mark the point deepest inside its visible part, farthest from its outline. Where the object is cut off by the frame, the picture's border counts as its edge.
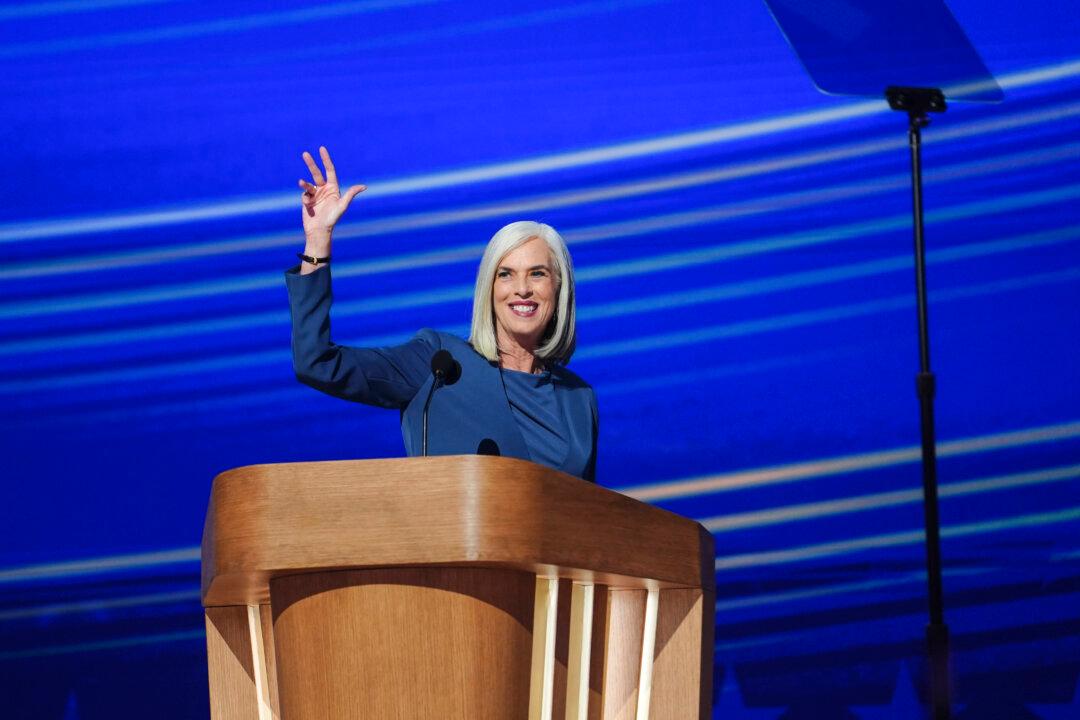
(513, 396)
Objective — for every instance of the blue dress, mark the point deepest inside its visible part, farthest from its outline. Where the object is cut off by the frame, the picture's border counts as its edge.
(474, 414)
(534, 403)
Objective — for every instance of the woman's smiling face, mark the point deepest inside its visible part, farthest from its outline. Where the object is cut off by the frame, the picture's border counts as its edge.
(524, 294)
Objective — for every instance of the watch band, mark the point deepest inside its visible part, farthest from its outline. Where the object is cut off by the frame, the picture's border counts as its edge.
(313, 260)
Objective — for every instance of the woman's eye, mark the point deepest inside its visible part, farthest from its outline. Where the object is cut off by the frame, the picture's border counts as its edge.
(503, 274)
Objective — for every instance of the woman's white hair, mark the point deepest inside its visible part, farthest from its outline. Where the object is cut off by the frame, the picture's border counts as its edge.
(557, 342)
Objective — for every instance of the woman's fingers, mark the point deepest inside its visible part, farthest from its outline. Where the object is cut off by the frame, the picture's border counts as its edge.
(316, 174)
(331, 174)
(325, 189)
(307, 198)
(353, 192)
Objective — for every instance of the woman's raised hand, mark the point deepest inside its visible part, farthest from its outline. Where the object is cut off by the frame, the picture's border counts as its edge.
(323, 203)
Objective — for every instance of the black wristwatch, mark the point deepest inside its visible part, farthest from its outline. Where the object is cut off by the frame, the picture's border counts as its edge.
(313, 260)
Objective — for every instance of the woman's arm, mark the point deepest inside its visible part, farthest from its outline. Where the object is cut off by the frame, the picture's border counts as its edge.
(387, 377)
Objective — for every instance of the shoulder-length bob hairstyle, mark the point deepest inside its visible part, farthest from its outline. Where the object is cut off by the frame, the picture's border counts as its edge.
(557, 343)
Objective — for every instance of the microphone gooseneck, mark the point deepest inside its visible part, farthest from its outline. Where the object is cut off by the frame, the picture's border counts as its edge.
(447, 371)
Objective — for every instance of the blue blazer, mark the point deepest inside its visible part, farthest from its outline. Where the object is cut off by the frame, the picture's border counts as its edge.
(463, 418)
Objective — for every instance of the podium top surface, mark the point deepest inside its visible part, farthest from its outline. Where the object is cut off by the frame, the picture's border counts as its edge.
(265, 521)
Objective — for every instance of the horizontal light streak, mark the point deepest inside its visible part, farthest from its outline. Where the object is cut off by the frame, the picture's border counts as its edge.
(539, 203)
(148, 333)
(136, 297)
(877, 501)
(594, 352)
(298, 393)
(773, 323)
(887, 540)
(810, 278)
(455, 33)
(797, 472)
(785, 473)
(586, 313)
(51, 650)
(722, 606)
(94, 566)
(646, 343)
(809, 238)
(248, 402)
(180, 368)
(868, 502)
(63, 7)
(833, 590)
(906, 627)
(751, 601)
(281, 357)
(93, 606)
(606, 389)
(952, 490)
(787, 638)
(363, 228)
(978, 90)
(34, 230)
(217, 26)
(41, 229)
(640, 226)
(1040, 75)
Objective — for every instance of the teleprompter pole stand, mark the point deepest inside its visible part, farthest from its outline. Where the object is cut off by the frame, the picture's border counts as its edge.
(917, 102)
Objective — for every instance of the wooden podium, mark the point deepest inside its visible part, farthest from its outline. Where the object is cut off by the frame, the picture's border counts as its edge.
(450, 587)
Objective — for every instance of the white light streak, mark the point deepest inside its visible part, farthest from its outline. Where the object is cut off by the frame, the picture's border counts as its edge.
(875, 542)
(99, 565)
(93, 606)
(587, 313)
(645, 343)
(540, 203)
(640, 226)
(51, 650)
(216, 26)
(277, 202)
(877, 501)
(773, 323)
(798, 472)
(63, 7)
(786, 473)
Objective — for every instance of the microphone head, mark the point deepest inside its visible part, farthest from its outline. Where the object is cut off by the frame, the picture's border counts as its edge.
(443, 365)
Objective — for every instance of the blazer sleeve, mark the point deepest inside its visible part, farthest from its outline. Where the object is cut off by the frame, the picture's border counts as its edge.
(590, 469)
(386, 377)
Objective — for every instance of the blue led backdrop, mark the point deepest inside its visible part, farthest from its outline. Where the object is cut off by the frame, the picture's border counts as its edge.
(746, 315)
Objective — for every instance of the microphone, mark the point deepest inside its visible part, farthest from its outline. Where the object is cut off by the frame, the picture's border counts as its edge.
(445, 367)
(447, 371)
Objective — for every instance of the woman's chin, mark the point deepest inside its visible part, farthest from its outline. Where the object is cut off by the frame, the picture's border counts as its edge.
(525, 334)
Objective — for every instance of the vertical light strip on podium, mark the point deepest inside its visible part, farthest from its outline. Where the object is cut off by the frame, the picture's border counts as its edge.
(577, 681)
(545, 611)
(648, 649)
(258, 662)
